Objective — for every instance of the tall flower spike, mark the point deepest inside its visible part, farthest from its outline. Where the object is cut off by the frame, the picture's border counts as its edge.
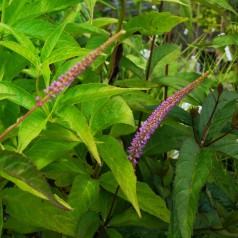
(66, 79)
(153, 121)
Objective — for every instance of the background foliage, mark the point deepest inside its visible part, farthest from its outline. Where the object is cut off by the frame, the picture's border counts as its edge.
(65, 170)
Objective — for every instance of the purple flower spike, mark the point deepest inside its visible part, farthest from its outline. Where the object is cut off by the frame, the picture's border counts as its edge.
(153, 121)
(66, 79)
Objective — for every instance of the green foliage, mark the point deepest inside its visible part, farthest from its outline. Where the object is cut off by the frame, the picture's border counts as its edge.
(64, 167)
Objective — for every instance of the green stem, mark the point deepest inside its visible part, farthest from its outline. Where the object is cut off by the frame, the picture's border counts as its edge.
(4, 5)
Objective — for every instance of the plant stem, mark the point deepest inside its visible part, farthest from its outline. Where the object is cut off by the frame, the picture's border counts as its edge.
(209, 122)
(4, 5)
(220, 137)
(148, 72)
(39, 104)
(105, 223)
(114, 59)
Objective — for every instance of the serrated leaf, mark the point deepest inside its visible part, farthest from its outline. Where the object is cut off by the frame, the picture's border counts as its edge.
(22, 172)
(111, 112)
(64, 53)
(91, 91)
(31, 127)
(16, 95)
(51, 42)
(84, 192)
(153, 23)
(41, 29)
(21, 50)
(192, 170)
(78, 123)
(21, 38)
(114, 156)
(48, 216)
(37, 8)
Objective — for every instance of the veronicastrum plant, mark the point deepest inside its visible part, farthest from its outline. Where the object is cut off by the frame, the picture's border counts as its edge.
(94, 138)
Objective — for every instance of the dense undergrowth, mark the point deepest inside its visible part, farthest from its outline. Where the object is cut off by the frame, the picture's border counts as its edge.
(123, 138)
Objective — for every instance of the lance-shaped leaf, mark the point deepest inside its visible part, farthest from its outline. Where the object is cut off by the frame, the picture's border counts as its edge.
(77, 122)
(192, 169)
(116, 159)
(23, 173)
(16, 94)
(31, 128)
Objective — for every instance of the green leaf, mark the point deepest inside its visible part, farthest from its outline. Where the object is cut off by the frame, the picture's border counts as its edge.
(130, 218)
(37, 8)
(1, 217)
(178, 82)
(192, 170)
(84, 192)
(64, 53)
(113, 233)
(78, 123)
(91, 91)
(222, 177)
(21, 50)
(16, 95)
(222, 114)
(148, 200)
(103, 21)
(140, 101)
(91, 5)
(129, 65)
(22, 172)
(88, 225)
(47, 150)
(165, 52)
(51, 42)
(220, 3)
(166, 138)
(31, 127)
(151, 202)
(228, 147)
(11, 66)
(26, 207)
(21, 38)
(225, 40)
(9, 112)
(114, 156)
(41, 30)
(110, 112)
(153, 23)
